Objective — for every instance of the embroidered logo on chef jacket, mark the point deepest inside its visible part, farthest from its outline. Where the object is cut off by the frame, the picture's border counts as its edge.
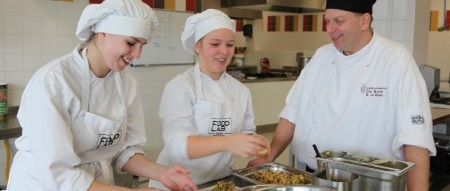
(220, 126)
(105, 140)
(417, 119)
(373, 91)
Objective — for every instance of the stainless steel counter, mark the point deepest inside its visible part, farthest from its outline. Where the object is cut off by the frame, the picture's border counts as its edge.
(10, 127)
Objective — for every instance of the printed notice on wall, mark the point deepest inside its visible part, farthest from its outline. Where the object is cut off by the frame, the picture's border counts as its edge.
(165, 45)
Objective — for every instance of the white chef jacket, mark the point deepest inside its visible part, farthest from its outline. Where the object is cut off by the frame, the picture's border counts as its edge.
(75, 126)
(191, 102)
(373, 102)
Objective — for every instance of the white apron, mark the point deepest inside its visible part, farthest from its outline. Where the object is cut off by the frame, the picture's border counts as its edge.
(211, 119)
(96, 140)
(214, 119)
(104, 135)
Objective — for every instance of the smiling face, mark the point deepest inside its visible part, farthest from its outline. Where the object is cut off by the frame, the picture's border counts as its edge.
(215, 51)
(115, 52)
(349, 31)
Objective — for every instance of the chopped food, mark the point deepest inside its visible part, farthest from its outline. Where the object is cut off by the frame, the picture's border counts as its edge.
(224, 186)
(283, 178)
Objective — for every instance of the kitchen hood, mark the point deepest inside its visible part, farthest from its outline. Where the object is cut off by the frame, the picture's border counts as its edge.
(252, 9)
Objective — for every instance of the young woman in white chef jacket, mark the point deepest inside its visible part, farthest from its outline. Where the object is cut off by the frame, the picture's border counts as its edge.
(81, 114)
(206, 114)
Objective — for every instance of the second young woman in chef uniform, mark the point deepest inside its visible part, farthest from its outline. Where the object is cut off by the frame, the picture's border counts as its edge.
(81, 114)
(206, 114)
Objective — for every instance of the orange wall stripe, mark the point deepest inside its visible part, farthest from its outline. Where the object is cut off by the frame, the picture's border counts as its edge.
(314, 23)
(278, 23)
(434, 16)
(169, 4)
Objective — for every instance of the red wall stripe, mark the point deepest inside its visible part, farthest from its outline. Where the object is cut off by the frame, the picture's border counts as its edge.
(448, 18)
(149, 3)
(95, 1)
(324, 23)
(190, 5)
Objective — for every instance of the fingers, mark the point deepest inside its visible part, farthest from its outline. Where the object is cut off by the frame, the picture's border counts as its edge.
(181, 169)
(257, 145)
(190, 187)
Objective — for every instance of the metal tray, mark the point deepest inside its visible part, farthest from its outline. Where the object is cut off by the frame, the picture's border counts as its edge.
(238, 181)
(375, 173)
(268, 187)
(246, 173)
(367, 162)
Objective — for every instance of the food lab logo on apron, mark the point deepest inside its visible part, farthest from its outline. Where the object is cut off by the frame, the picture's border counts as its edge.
(219, 126)
(105, 140)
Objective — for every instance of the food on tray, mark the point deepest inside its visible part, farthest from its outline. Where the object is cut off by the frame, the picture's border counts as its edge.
(360, 158)
(224, 186)
(262, 153)
(283, 178)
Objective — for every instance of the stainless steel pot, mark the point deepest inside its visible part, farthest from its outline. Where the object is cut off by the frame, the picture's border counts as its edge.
(301, 62)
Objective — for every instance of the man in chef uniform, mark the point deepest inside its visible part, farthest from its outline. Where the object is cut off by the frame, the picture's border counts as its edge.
(81, 114)
(207, 115)
(362, 93)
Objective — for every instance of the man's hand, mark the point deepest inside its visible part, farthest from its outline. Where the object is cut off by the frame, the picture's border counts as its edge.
(258, 161)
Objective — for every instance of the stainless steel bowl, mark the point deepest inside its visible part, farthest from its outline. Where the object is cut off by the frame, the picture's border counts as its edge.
(341, 180)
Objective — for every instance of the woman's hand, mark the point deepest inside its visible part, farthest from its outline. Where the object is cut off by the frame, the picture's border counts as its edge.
(176, 178)
(248, 145)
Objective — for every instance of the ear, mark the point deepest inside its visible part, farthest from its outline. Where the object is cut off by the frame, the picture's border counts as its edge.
(197, 46)
(366, 19)
(100, 35)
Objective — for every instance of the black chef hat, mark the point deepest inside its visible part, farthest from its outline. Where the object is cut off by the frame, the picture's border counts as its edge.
(357, 6)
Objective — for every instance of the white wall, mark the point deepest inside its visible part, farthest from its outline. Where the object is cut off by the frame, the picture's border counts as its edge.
(268, 100)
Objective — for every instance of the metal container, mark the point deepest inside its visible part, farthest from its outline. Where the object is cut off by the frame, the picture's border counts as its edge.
(374, 173)
(301, 61)
(339, 179)
(3, 101)
(285, 188)
(246, 173)
(238, 182)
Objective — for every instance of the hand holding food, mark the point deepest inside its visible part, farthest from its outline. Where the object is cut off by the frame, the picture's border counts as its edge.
(262, 153)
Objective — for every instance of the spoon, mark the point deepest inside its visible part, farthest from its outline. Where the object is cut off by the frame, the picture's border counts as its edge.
(317, 151)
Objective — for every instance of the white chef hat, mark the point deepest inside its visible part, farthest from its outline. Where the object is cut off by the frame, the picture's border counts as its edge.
(199, 25)
(121, 17)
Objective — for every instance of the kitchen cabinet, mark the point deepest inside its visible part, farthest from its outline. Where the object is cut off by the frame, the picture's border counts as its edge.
(269, 99)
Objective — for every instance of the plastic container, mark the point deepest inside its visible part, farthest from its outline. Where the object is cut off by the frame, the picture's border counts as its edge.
(239, 59)
(3, 101)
